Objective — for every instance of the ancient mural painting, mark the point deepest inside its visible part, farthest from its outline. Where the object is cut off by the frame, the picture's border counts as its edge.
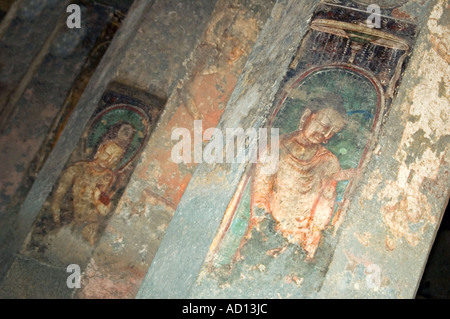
(280, 229)
(407, 212)
(94, 178)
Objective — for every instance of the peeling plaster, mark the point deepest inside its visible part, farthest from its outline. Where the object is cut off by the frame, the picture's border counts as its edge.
(406, 210)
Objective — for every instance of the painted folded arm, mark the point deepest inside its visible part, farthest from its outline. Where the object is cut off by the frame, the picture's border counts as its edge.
(323, 209)
(262, 188)
(329, 174)
(346, 174)
(102, 202)
(320, 217)
(102, 197)
(65, 183)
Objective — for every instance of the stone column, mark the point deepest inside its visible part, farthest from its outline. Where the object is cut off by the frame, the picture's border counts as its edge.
(23, 277)
(396, 212)
(378, 240)
(199, 85)
(180, 256)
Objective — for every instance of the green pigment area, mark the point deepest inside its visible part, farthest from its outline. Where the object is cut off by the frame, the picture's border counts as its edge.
(119, 116)
(324, 88)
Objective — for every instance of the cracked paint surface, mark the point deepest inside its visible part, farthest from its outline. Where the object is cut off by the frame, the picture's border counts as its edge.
(407, 211)
(404, 192)
(158, 183)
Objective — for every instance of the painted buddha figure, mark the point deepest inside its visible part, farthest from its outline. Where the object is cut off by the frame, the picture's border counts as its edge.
(92, 183)
(301, 195)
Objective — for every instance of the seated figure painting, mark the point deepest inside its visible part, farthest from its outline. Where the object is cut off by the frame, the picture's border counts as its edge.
(92, 184)
(75, 215)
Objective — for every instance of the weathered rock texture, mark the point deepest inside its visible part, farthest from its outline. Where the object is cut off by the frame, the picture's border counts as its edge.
(381, 244)
(228, 63)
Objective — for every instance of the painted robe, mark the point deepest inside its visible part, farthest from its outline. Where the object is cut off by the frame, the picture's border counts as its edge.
(301, 195)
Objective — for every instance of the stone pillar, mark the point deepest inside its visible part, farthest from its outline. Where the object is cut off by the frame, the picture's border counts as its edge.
(394, 218)
(24, 277)
(183, 250)
(133, 235)
(26, 37)
(381, 226)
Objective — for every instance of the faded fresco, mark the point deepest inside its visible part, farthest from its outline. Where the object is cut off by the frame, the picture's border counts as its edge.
(280, 230)
(75, 214)
(325, 121)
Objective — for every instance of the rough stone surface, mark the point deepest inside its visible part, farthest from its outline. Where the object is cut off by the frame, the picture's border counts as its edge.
(389, 227)
(48, 176)
(224, 62)
(30, 279)
(43, 98)
(17, 53)
(407, 185)
(145, 210)
(186, 243)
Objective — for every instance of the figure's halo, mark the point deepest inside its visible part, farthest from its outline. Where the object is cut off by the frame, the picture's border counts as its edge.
(115, 116)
